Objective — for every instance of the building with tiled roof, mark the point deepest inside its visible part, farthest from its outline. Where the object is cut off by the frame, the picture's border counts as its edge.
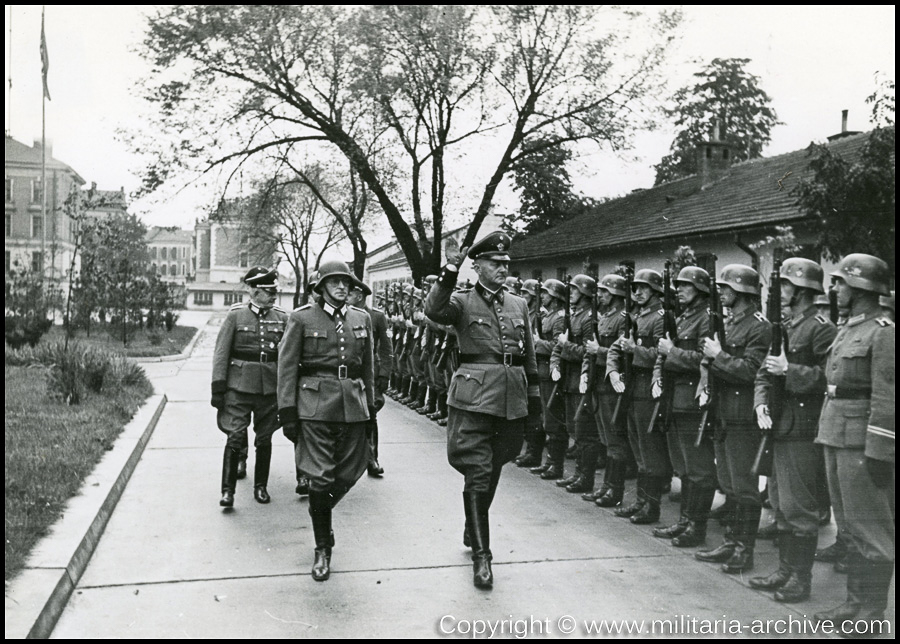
(718, 212)
(41, 239)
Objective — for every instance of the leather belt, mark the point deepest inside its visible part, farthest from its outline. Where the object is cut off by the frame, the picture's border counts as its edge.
(846, 393)
(508, 359)
(342, 372)
(252, 356)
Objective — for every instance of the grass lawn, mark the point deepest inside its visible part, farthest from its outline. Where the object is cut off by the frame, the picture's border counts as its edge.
(50, 448)
(139, 344)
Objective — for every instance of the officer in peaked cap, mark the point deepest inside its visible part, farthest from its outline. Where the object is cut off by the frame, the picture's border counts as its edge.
(494, 388)
(326, 396)
(244, 380)
(857, 429)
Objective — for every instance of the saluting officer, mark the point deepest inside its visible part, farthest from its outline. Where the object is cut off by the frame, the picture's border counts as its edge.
(610, 327)
(565, 368)
(381, 349)
(681, 356)
(734, 364)
(326, 396)
(553, 323)
(495, 386)
(792, 488)
(857, 430)
(244, 380)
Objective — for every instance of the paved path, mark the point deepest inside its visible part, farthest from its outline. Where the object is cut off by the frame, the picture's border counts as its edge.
(173, 564)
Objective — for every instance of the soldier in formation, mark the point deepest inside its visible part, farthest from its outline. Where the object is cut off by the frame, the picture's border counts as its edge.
(535, 438)
(244, 380)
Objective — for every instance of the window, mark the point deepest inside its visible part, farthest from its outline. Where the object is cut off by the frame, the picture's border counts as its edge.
(36, 192)
(37, 261)
(537, 275)
(173, 254)
(8, 224)
(163, 252)
(162, 269)
(37, 226)
(245, 239)
(183, 269)
(244, 262)
(153, 252)
(233, 298)
(203, 298)
(9, 190)
(173, 270)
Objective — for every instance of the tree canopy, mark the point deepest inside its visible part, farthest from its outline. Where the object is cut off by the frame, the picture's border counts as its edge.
(725, 93)
(408, 95)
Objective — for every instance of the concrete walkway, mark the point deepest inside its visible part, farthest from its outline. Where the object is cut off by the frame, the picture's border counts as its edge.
(173, 564)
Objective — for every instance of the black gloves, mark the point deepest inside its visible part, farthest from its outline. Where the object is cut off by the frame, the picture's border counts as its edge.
(218, 394)
(291, 431)
(218, 401)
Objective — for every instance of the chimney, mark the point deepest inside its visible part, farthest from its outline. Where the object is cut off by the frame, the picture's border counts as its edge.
(713, 158)
(48, 146)
(844, 133)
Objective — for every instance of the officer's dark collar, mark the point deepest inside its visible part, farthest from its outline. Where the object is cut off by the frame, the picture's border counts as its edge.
(330, 310)
(488, 294)
(258, 310)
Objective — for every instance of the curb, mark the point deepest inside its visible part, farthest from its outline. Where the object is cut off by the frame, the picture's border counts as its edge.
(184, 355)
(37, 597)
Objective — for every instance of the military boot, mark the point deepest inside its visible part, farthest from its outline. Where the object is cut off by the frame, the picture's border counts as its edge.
(229, 477)
(836, 553)
(641, 500)
(593, 495)
(875, 584)
(681, 525)
(652, 493)
(302, 488)
(411, 394)
(535, 439)
(418, 403)
(442, 409)
(698, 514)
(856, 593)
(721, 553)
(242, 467)
(768, 531)
(780, 577)
(746, 525)
(320, 504)
(725, 513)
(407, 391)
(475, 504)
(431, 405)
(801, 556)
(261, 473)
(439, 399)
(613, 496)
(587, 463)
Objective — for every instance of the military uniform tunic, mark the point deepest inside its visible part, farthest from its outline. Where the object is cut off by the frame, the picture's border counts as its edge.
(792, 487)
(610, 327)
(245, 364)
(487, 399)
(554, 412)
(748, 336)
(683, 362)
(857, 423)
(326, 381)
(649, 449)
(567, 357)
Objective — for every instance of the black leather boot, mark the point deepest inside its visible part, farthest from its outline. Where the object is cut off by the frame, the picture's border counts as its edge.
(780, 577)
(801, 556)
(405, 390)
(418, 403)
(261, 473)
(593, 495)
(722, 552)
(681, 525)
(587, 464)
(571, 479)
(534, 447)
(229, 477)
(442, 409)
(475, 504)
(768, 531)
(411, 393)
(856, 593)
(652, 493)
(320, 504)
(552, 472)
(302, 484)
(725, 513)
(242, 467)
(700, 502)
(613, 496)
(875, 584)
(430, 404)
(373, 467)
(747, 521)
(630, 510)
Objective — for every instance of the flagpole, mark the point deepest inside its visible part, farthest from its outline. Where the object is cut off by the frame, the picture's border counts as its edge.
(43, 161)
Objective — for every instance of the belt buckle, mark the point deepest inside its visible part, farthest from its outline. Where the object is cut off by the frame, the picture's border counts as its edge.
(831, 391)
(342, 372)
(263, 357)
(507, 359)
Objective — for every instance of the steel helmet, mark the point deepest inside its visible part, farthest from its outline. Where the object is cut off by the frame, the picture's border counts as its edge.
(531, 286)
(418, 294)
(887, 301)
(613, 283)
(865, 272)
(741, 278)
(408, 288)
(651, 278)
(555, 288)
(512, 284)
(696, 276)
(804, 273)
(586, 285)
(822, 300)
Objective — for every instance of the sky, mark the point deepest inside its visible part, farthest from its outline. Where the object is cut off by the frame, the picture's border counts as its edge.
(814, 61)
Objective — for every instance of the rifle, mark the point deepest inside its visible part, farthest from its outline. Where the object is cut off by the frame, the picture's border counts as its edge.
(670, 329)
(588, 401)
(833, 311)
(762, 464)
(627, 358)
(409, 338)
(716, 328)
(397, 309)
(562, 364)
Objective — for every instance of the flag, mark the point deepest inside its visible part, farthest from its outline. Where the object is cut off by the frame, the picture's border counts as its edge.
(45, 59)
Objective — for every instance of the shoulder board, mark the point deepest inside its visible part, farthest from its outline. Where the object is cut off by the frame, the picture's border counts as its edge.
(303, 308)
(884, 322)
(662, 313)
(762, 318)
(623, 314)
(821, 319)
(356, 308)
(279, 309)
(238, 305)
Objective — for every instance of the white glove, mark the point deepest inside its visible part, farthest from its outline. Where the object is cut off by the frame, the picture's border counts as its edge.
(555, 375)
(582, 384)
(762, 417)
(616, 382)
(656, 389)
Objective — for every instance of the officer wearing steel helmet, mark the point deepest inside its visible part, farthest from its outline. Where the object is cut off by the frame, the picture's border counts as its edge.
(326, 396)
(494, 388)
(535, 438)
(857, 430)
